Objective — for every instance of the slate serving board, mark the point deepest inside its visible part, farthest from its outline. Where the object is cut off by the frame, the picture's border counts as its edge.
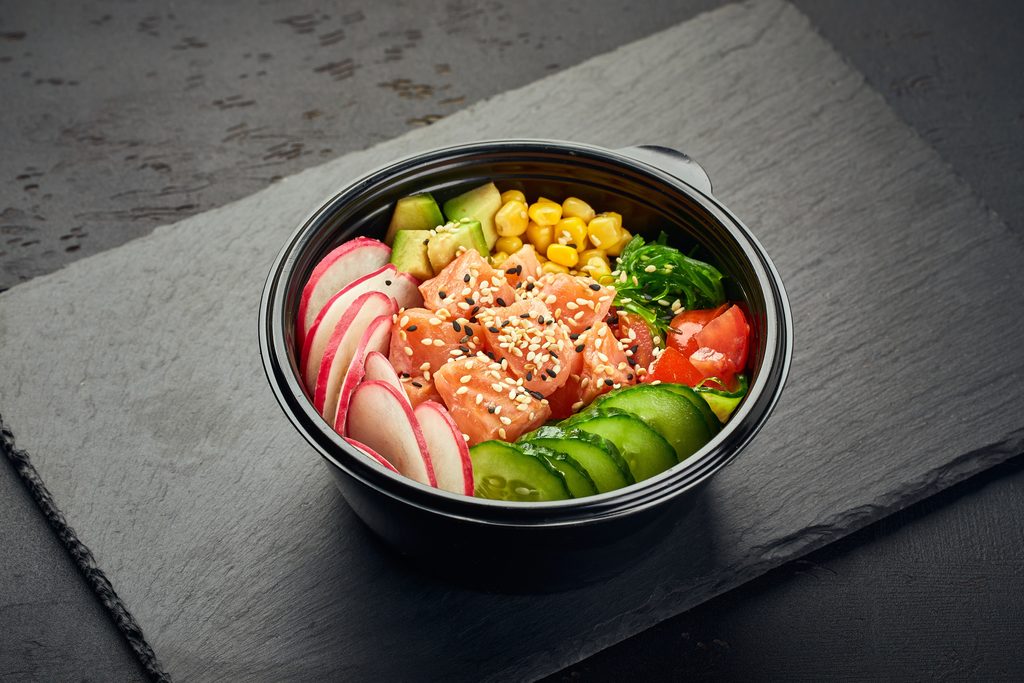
(134, 380)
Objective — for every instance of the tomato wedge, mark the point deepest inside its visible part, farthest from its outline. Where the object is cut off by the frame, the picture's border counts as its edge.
(728, 335)
(675, 368)
(687, 324)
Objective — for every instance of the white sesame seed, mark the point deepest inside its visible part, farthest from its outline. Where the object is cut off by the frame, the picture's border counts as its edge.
(462, 390)
(408, 350)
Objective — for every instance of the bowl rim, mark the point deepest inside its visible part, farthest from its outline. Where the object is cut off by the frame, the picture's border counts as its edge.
(763, 393)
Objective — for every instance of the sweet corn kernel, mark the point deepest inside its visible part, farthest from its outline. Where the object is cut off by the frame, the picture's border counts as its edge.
(540, 236)
(563, 254)
(545, 212)
(604, 232)
(572, 231)
(498, 258)
(511, 219)
(617, 248)
(597, 267)
(617, 217)
(509, 245)
(574, 207)
(585, 256)
(552, 267)
(509, 195)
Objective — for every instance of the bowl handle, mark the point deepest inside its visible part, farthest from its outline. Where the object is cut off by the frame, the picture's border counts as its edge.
(672, 161)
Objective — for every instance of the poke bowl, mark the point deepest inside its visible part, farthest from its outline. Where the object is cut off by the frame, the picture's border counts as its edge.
(393, 335)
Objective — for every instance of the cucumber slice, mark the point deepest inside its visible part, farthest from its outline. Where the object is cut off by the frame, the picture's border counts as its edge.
(670, 414)
(598, 456)
(576, 478)
(710, 419)
(645, 450)
(503, 472)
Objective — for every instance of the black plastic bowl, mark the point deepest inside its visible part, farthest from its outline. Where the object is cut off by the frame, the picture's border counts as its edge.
(530, 545)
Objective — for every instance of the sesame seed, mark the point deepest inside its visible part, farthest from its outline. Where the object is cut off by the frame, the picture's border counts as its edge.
(650, 269)
(497, 410)
(505, 420)
(596, 287)
(501, 432)
(500, 301)
(442, 294)
(462, 390)
(456, 326)
(404, 322)
(416, 384)
(609, 383)
(551, 373)
(426, 341)
(411, 328)
(579, 349)
(465, 379)
(480, 397)
(466, 278)
(408, 351)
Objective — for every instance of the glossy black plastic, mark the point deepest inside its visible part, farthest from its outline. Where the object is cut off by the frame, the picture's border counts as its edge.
(534, 545)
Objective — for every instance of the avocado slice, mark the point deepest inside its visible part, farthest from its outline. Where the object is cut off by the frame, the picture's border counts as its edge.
(480, 203)
(409, 253)
(443, 246)
(415, 212)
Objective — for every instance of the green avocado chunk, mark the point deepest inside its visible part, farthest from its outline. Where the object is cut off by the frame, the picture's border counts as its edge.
(409, 253)
(480, 203)
(443, 246)
(415, 212)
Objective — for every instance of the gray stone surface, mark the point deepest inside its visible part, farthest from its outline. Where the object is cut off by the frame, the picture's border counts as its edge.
(53, 626)
(772, 83)
(117, 118)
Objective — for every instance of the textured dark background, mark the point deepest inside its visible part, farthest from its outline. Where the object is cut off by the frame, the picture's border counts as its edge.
(116, 118)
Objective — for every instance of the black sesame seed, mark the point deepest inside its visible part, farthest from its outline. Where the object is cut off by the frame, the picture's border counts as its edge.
(596, 287)
(468, 330)
(551, 373)
(387, 283)
(630, 377)
(631, 361)
(500, 301)
(464, 349)
(519, 269)
(493, 329)
(489, 354)
(614, 320)
(456, 326)
(416, 384)
(574, 336)
(634, 348)
(579, 349)
(513, 271)
(506, 323)
(529, 286)
(609, 383)
(536, 394)
(490, 409)
(524, 316)
(441, 293)
(472, 314)
(405, 374)
(540, 319)
(529, 375)
(466, 278)
(469, 300)
(411, 328)
(465, 339)
(553, 354)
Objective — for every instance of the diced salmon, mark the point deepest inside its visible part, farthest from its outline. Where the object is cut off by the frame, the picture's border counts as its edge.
(420, 390)
(522, 266)
(466, 283)
(423, 340)
(575, 300)
(486, 402)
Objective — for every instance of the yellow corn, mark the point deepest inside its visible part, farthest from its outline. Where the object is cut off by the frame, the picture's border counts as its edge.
(574, 207)
(597, 267)
(563, 254)
(604, 232)
(552, 267)
(585, 256)
(540, 236)
(498, 258)
(509, 245)
(617, 248)
(510, 195)
(572, 231)
(511, 219)
(545, 212)
(616, 217)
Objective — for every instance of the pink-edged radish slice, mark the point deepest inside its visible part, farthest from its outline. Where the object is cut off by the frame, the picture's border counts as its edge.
(342, 266)
(406, 290)
(374, 455)
(449, 453)
(376, 338)
(342, 345)
(380, 416)
(335, 308)
(378, 367)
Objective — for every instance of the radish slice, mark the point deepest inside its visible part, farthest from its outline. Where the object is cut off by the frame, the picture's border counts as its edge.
(342, 345)
(449, 452)
(378, 367)
(342, 266)
(376, 338)
(380, 417)
(374, 455)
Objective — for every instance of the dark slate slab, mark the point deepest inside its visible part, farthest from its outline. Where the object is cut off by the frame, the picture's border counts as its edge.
(217, 523)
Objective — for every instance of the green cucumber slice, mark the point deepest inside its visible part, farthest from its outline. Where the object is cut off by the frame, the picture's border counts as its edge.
(645, 451)
(671, 415)
(598, 456)
(710, 419)
(576, 478)
(503, 472)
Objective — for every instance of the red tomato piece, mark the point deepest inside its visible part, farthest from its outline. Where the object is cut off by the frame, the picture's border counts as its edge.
(687, 324)
(729, 335)
(674, 368)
